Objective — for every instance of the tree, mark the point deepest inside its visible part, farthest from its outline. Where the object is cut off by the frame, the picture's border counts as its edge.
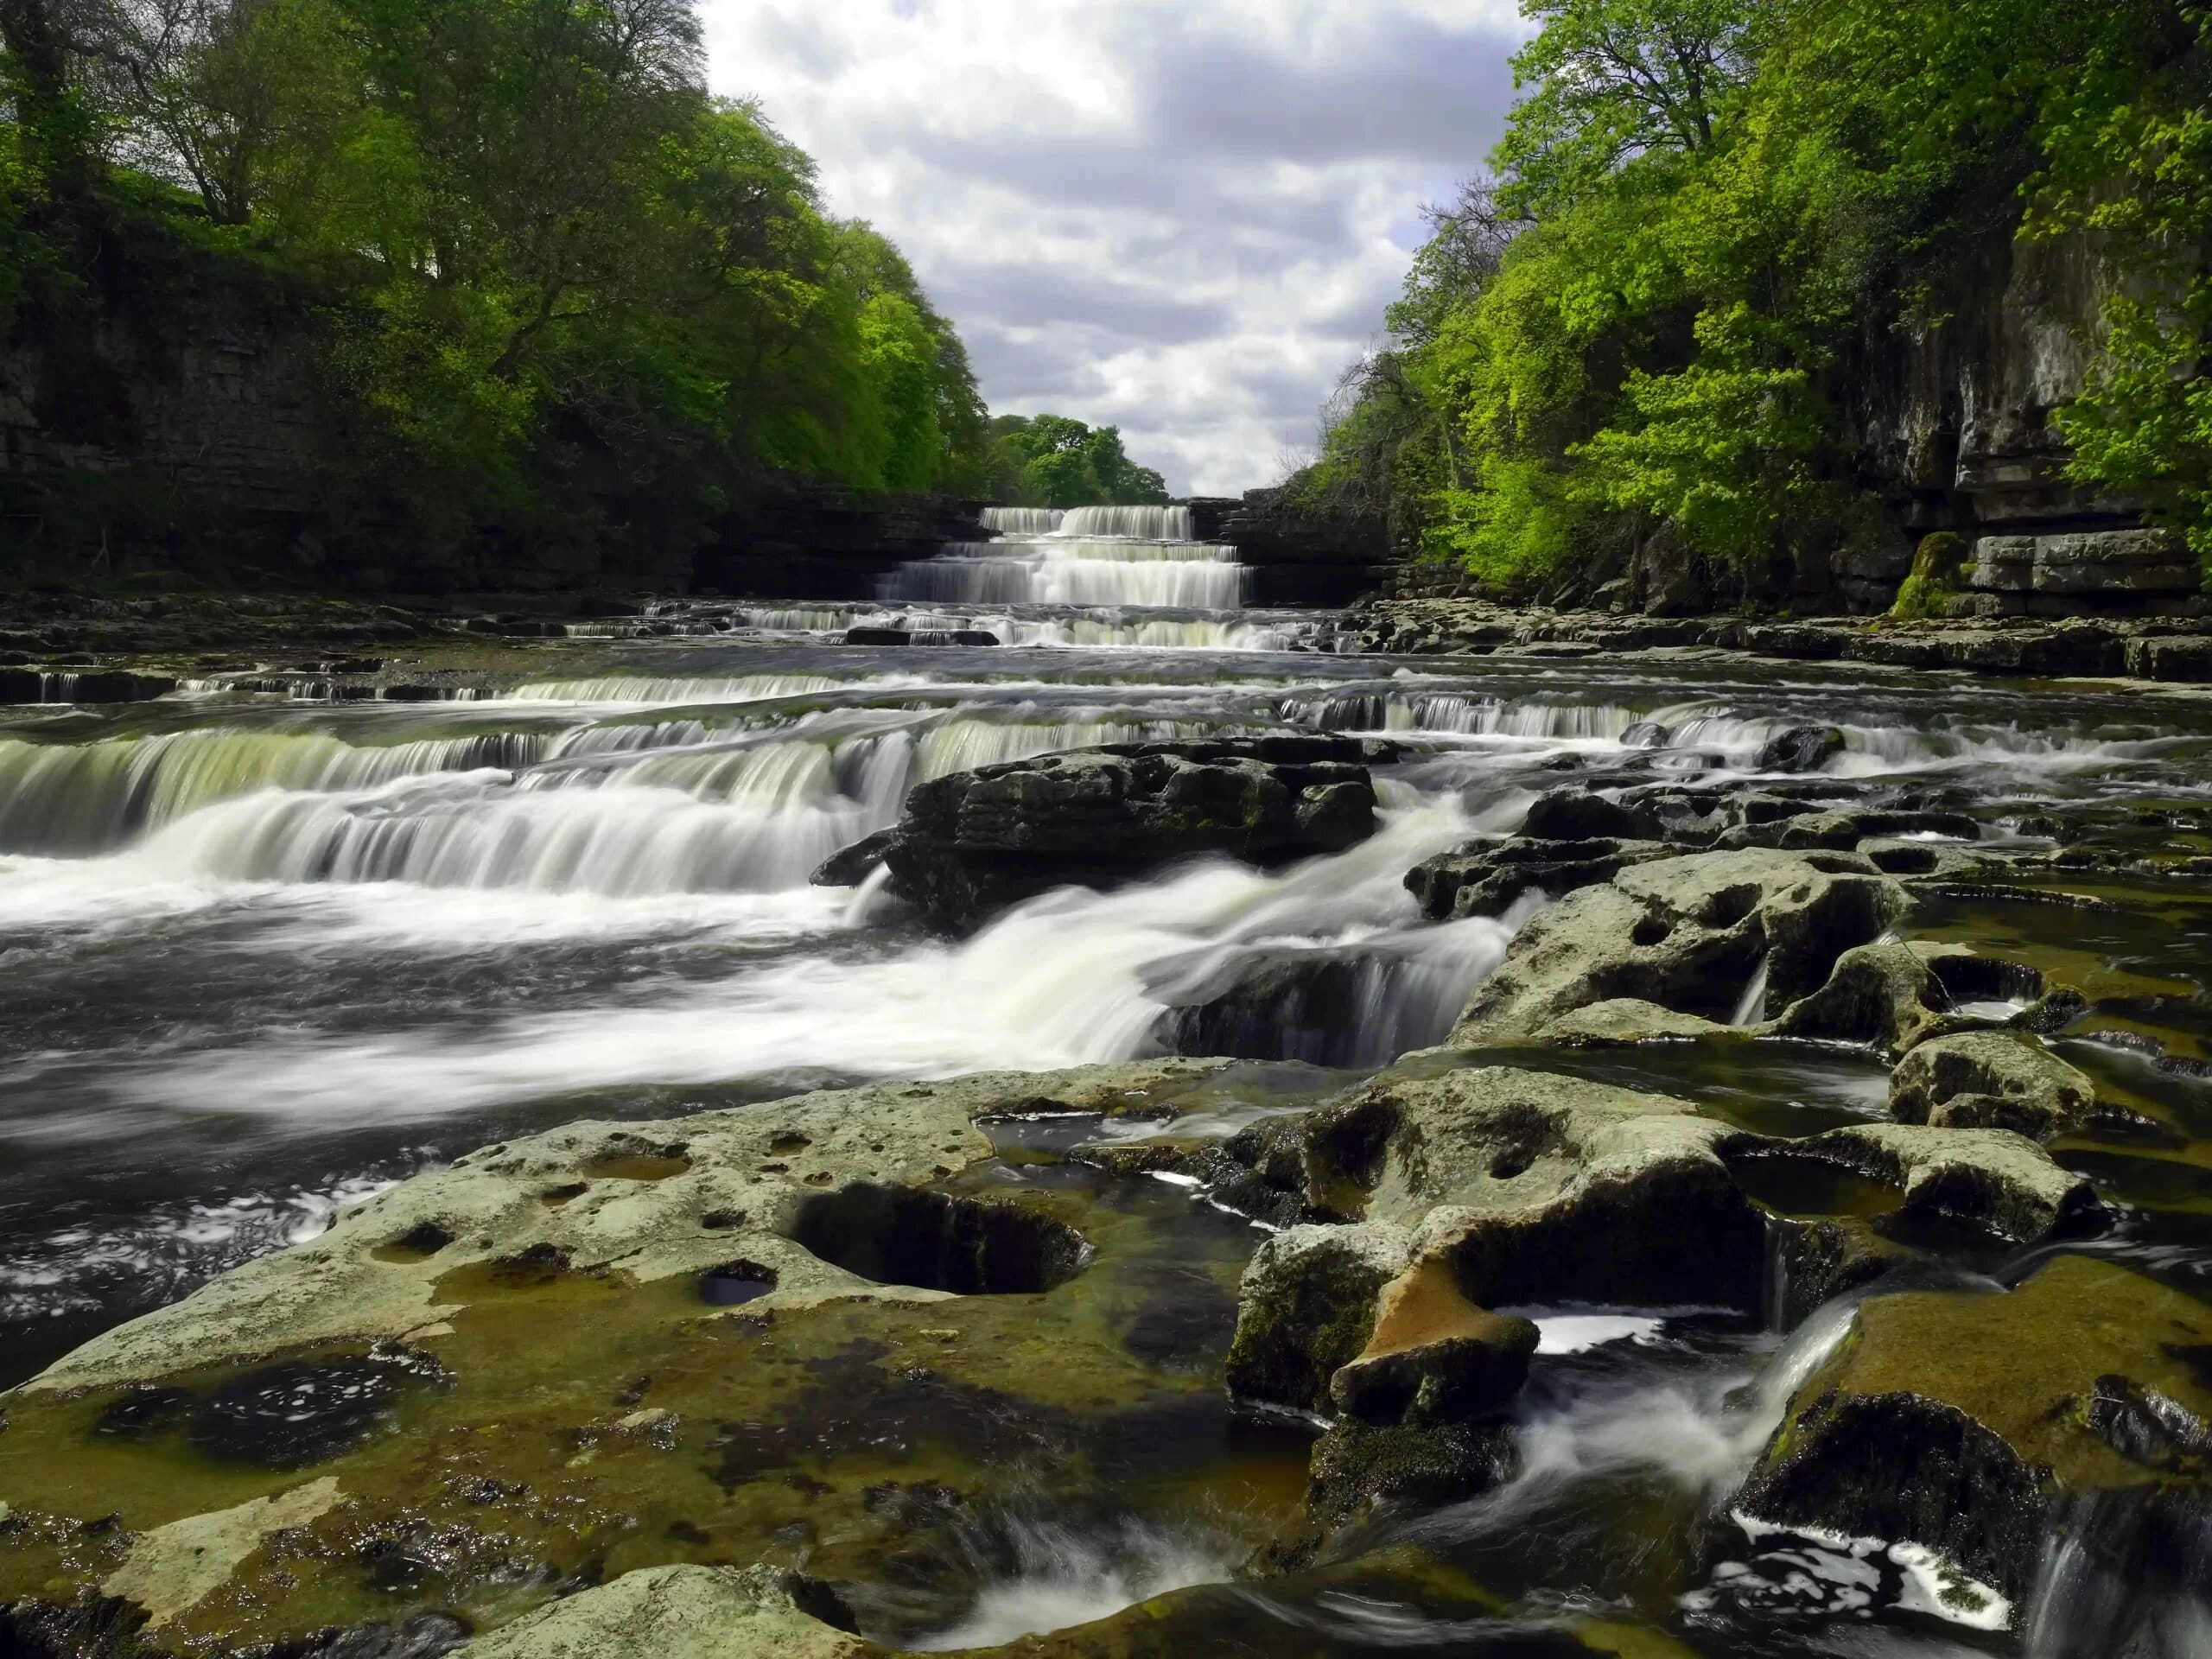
(1614, 79)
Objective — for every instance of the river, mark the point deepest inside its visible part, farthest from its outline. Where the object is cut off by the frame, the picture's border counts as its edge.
(264, 957)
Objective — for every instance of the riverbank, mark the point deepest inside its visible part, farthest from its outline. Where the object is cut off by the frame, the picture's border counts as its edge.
(149, 646)
(2167, 649)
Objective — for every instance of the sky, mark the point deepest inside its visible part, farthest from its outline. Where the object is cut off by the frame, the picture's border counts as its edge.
(1181, 217)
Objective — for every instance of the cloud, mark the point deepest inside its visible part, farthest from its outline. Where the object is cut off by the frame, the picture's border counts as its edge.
(1180, 216)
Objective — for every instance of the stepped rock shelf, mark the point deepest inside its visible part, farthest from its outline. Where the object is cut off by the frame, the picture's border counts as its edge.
(744, 1140)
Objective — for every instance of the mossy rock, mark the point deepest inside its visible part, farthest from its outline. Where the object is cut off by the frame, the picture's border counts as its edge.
(1950, 1419)
(1925, 593)
(608, 1350)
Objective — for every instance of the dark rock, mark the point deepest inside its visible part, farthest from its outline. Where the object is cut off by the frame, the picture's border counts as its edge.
(880, 637)
(1306, 1309)
(1806, 748)
(1362, 1473)
(1433, 1357)
(1949, 1419)
(973, 843)
(1485, 878)
(2185, 659)
(855, 864)
(1670, 576)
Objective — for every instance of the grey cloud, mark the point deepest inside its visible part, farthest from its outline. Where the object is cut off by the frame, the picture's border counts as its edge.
(1413, 92)
(1197, 275)
(1020, 294)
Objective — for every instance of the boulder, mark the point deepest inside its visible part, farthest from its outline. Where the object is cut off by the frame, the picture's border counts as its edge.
(1307, 1308)
(1991, 1079)
(1692, 935)
(973, 843)
(2183, 659)
(1803, 748)
(1950, 1419)
(1433, 1357)
(1486, 878)
(1994, 1179)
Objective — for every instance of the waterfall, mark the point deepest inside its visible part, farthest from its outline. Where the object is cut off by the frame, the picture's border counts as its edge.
(1022, 521)
(91, 797)
(1751, 1007)
(1138, 523)
(621, 811)
(1063, 570)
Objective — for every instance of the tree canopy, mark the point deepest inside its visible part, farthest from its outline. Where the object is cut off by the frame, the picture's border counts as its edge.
(1052, 461)
(556, 291)
(1707, 215)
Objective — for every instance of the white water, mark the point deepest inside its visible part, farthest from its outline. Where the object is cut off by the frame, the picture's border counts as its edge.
(1089, 628)
(1051, 570)
(1084, 556)
(1066, 1576)
(1067, 979)
(1751, 1009)
(1023, 521)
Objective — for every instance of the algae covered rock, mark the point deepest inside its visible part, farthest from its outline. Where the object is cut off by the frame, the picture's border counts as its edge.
(1989, 1079)
(1950, 1419)
(1538, 1187)
(676, 1612)
(787, 1334)
(1306, 1308)
(1433, 1357)
(1993, 1178)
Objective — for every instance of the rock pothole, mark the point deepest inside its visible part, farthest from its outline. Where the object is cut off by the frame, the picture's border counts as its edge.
(901, 1236)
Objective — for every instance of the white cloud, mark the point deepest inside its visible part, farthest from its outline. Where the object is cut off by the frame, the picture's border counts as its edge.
(1181, 216)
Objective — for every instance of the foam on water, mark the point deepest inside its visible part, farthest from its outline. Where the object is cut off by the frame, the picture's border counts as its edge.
(1064, 980)
(1065, 1576)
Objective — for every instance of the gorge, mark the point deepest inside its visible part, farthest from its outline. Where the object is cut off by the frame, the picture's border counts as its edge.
(667, 992)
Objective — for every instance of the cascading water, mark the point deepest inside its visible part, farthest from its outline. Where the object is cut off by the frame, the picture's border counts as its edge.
(1023, 521)
(262, 958)
(1087, 557)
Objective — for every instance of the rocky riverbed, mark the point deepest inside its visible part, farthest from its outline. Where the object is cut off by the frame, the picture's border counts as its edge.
(762, 1145)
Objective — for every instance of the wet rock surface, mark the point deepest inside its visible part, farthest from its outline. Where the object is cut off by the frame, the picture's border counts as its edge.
(971, 844)
(2063, 646)
(1952, 1419)
(1721, 937)
(1726, 1199)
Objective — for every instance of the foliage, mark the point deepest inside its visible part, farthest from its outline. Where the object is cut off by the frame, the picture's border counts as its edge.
(1708, 216)
(1052, 461)
(1925, 593)
(561, 302)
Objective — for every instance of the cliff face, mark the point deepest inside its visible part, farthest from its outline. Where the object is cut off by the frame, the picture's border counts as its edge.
(1293, 560)
(170, 416)
(164, 398)
(1953, 427)
(226, 414)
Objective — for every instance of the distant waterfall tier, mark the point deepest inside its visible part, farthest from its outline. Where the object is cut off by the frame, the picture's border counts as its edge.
(1022, 521)
(1137, 523)
(1065, 569)
(1132, 523)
